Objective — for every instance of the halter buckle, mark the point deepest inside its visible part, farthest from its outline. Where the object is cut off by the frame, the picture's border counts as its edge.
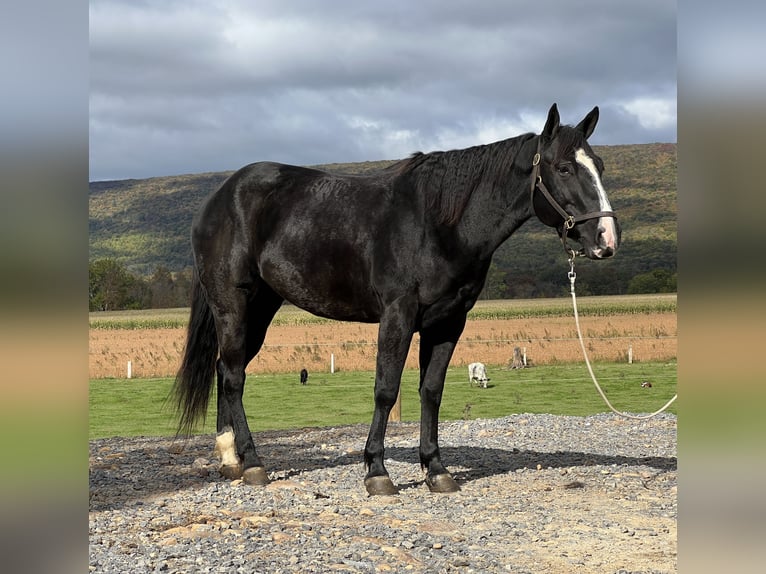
(569, 222)
(536, 159)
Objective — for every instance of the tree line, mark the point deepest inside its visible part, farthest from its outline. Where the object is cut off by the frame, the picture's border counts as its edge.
(112, 287)
(503, 284)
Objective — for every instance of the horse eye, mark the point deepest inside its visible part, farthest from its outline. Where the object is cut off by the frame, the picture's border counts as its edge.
(564, 169)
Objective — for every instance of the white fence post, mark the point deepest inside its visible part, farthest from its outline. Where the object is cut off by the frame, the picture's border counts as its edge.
(630, 354)
(130, 369)
(332, 362)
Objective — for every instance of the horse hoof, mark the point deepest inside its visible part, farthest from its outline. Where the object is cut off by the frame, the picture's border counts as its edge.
(380, 486)
(255, 476)
(442, 483)
(231, 471)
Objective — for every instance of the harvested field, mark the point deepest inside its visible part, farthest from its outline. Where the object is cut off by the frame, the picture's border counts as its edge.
(548, 340)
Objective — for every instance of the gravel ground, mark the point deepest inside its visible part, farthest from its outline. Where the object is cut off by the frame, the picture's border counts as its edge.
(540, 493)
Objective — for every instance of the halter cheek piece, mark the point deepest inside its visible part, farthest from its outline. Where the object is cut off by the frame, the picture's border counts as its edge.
(569, 220)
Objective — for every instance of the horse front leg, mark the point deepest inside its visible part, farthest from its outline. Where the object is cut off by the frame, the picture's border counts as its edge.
(436, 348)
(394, 337)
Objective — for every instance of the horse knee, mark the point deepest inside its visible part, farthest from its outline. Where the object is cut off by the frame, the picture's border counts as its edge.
(431, 396)
(386, 396)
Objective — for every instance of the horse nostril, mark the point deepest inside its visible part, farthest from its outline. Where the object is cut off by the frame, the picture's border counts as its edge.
(608, 235)
(606, 240)
(604, 247)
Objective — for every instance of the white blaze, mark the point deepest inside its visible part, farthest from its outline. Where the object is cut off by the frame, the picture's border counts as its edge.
(605, 223)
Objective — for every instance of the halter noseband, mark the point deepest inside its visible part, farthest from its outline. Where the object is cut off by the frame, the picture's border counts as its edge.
(569, 220)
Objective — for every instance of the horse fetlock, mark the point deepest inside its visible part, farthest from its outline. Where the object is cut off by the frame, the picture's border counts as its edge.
(226, 451)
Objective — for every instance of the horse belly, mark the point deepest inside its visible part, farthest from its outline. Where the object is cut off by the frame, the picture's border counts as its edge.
(325, 287)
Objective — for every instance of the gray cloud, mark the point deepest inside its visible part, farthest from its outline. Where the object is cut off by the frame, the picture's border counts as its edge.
(187, 87)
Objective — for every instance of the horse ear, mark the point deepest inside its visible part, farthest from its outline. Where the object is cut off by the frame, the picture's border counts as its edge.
(552, 123)
(588, 124)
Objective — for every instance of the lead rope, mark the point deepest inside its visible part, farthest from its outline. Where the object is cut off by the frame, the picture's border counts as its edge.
(572, 275)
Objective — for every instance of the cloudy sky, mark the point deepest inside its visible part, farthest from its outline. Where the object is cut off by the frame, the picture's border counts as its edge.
(194, 86)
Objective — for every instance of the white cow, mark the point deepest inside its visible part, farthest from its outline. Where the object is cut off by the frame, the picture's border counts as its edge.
(477, 372)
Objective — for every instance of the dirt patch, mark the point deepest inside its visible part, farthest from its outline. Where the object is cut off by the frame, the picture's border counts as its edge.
(157, 352)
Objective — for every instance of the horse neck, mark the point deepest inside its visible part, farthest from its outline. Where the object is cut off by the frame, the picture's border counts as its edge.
(499, 205)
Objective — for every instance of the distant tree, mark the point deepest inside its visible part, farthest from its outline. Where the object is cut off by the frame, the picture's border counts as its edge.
(139, 293)
(111, 287)
(494, 286)
(598, 278)
(655, 281)
(520, 286)
(182, 288)
(161, 288)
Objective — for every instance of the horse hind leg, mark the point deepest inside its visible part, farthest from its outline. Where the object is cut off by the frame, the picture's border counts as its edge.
(240, 342)
(231, 466)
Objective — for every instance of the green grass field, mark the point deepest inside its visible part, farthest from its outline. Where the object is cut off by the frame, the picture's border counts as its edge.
(497, 309)
(137, 407)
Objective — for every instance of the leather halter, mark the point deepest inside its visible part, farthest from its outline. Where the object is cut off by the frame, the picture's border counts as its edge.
(569, 221)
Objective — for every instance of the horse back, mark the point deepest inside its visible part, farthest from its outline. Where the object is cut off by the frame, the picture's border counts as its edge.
(314, 237)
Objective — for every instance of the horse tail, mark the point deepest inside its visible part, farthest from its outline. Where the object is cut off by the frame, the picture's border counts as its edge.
(194, 381)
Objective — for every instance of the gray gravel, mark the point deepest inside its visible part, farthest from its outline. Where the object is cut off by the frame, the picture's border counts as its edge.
(540, 493)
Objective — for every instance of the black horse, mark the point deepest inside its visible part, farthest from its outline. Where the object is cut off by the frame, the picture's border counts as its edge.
(408, 247)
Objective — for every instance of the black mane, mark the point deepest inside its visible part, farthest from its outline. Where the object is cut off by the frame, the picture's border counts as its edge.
(447, 179)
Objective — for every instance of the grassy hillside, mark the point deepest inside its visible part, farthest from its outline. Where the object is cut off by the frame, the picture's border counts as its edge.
(145, 223)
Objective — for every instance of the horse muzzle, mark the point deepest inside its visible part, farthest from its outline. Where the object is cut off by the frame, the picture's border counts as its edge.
(607, 241)
(601, 243)
(598, 253)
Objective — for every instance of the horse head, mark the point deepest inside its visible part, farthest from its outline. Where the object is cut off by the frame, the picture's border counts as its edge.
(567, 192)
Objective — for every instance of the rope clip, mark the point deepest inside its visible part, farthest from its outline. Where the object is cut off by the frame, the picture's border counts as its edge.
(572, 275)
